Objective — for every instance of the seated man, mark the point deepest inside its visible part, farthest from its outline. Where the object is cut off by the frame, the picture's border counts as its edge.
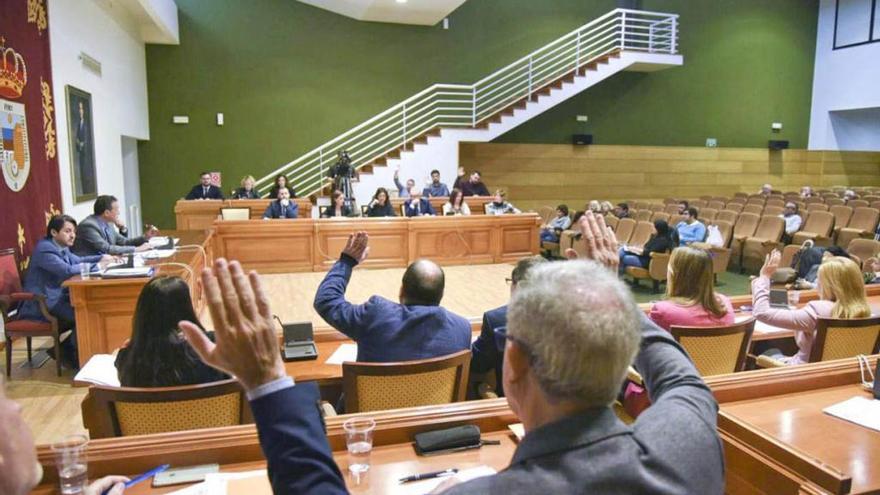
(205, 190)
(766, 190)
(474, 186)
(793, 221)
(436, 188)
(282, 207)
(20, 471)
(97, 234)
(622, 211)
(487, 355)
(572, 331)
(683, 205)
(403, 192)
(690, 229)
(416, 205)
(51, 264)
(417, 328)
(806, 192)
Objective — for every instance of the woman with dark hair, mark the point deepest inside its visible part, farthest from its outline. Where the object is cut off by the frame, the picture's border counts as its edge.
(380, 206)
(157, 354)
(337, 207)
(281, 181)
(660, 242)
(456, 204)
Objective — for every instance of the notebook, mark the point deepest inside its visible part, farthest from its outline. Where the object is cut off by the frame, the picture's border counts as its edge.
(100, 369)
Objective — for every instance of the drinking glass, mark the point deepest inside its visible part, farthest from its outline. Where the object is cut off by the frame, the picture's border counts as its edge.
(70, 459)
(794, 298)
(359, 440)
(85, 271)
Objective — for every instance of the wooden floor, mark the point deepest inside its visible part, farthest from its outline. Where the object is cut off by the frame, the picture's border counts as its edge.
(51, 407)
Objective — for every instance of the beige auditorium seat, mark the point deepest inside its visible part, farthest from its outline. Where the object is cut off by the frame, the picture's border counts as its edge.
(707, 215)
(643, 215)
(727, 216)
(842, 214)
(817, 227)
(672, 209)
(611, 221)
(641, 234)
(775, 202)
(699, 203)
(657, 207)
(863, 249)
(766, 239)
(736, 207)
(744, 228)
(862, 224)
(660, 215)
(720, 254)
(656, 271)
(715, 205)
(773, 210)
(624, 230)
(834, 201)
(754, 209)
(858, 203)
(817, 207)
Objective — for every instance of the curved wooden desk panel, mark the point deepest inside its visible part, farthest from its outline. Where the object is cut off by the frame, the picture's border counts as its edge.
(199, 214)
(278, 246)
(104, 308)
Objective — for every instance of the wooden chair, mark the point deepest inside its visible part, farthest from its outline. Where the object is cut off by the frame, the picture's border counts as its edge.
(235, 213)
(381, 386)
(656, 271)
(716, 350)
(745, 226)
(125, 411)
(817, 227)
(641, 234)
(838, 339)
(862, 224)
(11, 297)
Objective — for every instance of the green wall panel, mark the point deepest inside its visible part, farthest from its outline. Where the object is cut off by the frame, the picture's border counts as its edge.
(288, 77)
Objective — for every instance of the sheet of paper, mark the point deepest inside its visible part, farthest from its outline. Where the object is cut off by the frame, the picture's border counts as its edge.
(100, 369)
(859, 410)
(157, 254)
(345, 352)
(244, 483)
(197, 489)
(425, 486)
(761, 327)
(143, 271)
(518, 430)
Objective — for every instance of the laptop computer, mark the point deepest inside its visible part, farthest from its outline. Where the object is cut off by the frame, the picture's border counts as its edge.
(299, 342)
(779, 298)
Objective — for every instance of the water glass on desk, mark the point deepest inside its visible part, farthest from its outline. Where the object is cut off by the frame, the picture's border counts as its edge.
(85, 271)
(359, 440)
(70, 459)
(794, 297)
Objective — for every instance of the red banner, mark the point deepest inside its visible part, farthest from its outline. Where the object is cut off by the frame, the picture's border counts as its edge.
(30, 191)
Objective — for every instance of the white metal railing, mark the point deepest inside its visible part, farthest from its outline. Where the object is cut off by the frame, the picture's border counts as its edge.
(458, 105)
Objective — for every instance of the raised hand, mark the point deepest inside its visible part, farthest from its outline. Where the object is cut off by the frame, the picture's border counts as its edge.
(771, 263)
(357, 246)
(246, 343)
(600, 241)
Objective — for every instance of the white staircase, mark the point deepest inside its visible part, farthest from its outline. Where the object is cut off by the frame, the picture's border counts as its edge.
(423, 132)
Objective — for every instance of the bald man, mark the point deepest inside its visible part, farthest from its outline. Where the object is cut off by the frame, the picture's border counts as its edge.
(386, 331)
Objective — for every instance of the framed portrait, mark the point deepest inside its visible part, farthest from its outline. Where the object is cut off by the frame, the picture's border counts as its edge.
(82, 145)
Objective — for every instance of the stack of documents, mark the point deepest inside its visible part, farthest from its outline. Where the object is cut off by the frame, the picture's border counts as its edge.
(100, 370)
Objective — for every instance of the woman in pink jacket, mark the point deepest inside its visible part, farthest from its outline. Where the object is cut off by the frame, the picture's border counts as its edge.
(841, 291)
(690, 293)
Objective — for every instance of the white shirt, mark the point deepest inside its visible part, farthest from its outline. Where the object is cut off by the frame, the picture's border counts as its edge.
(792, 223)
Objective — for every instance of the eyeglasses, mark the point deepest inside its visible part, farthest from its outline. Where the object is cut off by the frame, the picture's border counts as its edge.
(501, 337)
(508, 280)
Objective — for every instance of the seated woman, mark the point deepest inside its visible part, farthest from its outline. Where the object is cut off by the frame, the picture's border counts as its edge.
(246, 191)
(157, 354)
(337, 207)
(605, 207)
(660, 242)
(594, 207)
(456, 204)
(551, 231)
(841, 295)
(499, 206)
(380, 206)
(281, 181)
(690, 292)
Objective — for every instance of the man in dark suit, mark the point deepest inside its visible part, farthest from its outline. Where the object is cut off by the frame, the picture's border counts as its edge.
(474, 186)
(572, 331)
(282, 207)
(205, 190)
(486, 354)
(385, 331)
(98, 234)
(416, 205)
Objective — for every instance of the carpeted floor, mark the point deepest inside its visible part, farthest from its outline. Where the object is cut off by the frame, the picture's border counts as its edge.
(729, 284)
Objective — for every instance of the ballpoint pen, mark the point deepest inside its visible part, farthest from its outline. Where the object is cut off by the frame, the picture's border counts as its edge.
(149, 474)
(427, 476)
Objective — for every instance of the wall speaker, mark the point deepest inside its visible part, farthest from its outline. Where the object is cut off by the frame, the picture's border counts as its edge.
(777, 145)
(581, 139)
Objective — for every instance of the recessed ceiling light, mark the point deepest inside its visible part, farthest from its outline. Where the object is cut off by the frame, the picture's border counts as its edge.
(401, 1)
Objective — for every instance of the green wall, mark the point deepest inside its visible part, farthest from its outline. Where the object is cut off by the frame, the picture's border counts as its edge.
(289, 77)
(747, 63)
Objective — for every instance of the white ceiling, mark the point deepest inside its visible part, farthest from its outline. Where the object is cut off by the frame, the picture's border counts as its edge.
(421, 12)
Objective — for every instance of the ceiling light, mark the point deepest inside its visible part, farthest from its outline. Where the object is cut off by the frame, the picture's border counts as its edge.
(401, 1)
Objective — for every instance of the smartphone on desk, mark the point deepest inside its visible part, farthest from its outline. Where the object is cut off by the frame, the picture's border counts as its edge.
(185, 474)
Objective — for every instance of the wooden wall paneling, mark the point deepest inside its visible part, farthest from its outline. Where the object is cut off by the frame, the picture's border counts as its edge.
(200, 214)
(453, 240)
(270, 246)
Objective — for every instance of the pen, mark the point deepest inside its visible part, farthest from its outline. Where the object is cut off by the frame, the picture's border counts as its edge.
(427, 476)
(149, 474)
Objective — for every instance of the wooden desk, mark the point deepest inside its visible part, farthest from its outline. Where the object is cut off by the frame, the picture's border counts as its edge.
(104, 308)
(475, 203)
(199, 214)
(777, 439)
(237, 448)
(280, 246)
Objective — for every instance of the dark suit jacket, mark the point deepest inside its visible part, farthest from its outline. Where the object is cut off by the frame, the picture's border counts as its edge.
(330, 212)
(486, 354)
(95, 236)
(276, 210)
(468, 188)
(386, 331)
(242, 193)
(672, 448)
(49, 267)
(198, 192)
(381, 211)
(425, 208)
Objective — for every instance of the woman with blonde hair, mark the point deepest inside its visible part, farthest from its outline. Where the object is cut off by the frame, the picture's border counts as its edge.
(246, 191)
(690, 293)
(605, 207)
(841, 291)
(594, 207)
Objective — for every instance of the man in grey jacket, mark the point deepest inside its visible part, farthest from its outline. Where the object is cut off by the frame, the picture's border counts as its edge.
(98, 234)
(572, 330)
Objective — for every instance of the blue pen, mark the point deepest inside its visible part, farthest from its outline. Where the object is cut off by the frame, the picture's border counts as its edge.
(149, 474)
